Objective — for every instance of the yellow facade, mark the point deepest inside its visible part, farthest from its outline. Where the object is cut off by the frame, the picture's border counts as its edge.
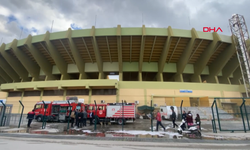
(144, 96)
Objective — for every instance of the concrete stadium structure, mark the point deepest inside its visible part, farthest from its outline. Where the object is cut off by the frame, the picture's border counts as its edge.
(163, 64)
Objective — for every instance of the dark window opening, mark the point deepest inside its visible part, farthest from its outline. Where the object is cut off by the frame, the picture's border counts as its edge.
(223, 80)
(204, 78)
(104, 92)
(187, 77)
(57, 76)
(42, 78)
(74, 76)
(94, 75)
(32, 93)
(168, 77)
(77, 92)
(53, 93)
(15, 94)
(130, 76)
(149, 76)
(235, 81)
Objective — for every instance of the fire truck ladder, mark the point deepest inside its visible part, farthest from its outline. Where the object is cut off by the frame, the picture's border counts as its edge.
(240, 35)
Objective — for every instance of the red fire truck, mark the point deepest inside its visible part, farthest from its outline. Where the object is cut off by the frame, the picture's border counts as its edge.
(113, 112)
(56, 110)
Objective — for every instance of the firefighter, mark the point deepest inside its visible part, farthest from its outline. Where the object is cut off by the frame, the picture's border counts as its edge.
(30, 117)
(80, 117)
(84, 118)
(91, 117)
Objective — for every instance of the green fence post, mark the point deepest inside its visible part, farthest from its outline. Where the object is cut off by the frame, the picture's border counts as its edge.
(213, 120)
(151, 116)
(246, 115)
(4, 108)
(181, 108)
(21, 114)
(44, 115)
(4, 120)
(243, 121)
(217, 114)
(70, 110)
(95, 115)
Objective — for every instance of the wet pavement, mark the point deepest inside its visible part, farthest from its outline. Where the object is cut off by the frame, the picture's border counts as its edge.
(139, 130)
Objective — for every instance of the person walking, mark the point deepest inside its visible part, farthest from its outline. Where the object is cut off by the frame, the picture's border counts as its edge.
(198, 121)
(30, 117)
(72, 118)
(84, 118)
(158, 118)
(184, 117)
(174, 118)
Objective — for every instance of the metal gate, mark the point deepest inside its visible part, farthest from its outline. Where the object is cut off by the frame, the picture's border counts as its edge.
(231, 114)
(5, 116)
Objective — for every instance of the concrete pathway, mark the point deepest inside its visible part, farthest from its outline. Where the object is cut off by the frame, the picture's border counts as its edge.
(62, 144)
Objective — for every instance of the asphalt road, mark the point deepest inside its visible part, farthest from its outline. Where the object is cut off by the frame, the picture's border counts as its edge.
(14, 143)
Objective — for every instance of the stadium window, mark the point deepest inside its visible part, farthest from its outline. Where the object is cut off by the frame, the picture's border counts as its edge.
(32, 93)
(15, 94)
(104, 92)
(77, 92)
(53, 93)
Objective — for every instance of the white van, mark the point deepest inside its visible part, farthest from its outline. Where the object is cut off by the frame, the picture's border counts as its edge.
(166, 111)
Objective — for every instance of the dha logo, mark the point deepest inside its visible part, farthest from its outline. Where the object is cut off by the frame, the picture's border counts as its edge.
(209, 29)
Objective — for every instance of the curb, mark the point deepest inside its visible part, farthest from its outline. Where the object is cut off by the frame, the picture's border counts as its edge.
(77, 137)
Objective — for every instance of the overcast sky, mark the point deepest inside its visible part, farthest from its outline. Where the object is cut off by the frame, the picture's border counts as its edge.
(35, 17)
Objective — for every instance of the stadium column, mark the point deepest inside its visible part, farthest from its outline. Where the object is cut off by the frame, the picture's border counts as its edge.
(5, 76)
(228, 70)
(9, 70)
(59, 61)
(97, 54)
(77, 57)
(141, 52)
(236, 76)
(14, 63)
(205, 56)
(164, 54)
(184, 58)
(41, 60)
(28, 64)
(119, 45)
(218, 64)
(2, 81)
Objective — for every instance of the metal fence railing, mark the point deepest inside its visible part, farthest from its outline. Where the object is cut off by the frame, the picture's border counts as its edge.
(15, 118)
(230, 114)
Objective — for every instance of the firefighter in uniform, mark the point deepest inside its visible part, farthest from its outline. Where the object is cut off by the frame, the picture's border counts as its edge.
(30, 117)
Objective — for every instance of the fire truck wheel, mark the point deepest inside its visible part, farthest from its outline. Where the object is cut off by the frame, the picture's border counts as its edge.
(39, 118)
(120, 121)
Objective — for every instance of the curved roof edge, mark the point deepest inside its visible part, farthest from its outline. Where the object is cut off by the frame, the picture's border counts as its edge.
(126, 31)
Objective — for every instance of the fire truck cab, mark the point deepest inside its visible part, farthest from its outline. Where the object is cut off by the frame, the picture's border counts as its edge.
(56, 110)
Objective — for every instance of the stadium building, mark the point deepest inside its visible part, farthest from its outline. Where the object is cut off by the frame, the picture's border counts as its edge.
(161, 64)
